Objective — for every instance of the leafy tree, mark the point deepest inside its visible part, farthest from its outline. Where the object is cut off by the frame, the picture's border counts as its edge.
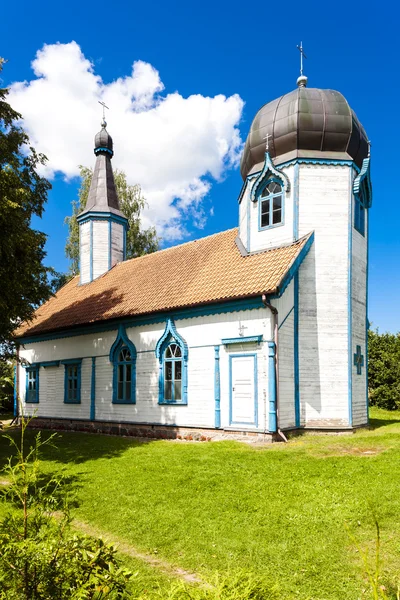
(6, 385)
(139, 241)
(23, 192)
(384, 369)
(41, 557)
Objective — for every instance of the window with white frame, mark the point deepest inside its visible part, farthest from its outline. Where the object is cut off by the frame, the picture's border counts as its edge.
(271, 205)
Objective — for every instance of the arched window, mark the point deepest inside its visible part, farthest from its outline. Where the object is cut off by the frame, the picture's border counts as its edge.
(172, 353)
(271, 205)
(123, 357)
(359, 214)
(173, 373)
(124, 375)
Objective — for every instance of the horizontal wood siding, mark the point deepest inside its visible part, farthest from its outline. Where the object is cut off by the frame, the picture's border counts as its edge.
(117, 243)
(84, 251)
(100, 248)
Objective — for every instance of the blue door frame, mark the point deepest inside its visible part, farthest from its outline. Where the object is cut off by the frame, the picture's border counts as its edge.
(231, 358)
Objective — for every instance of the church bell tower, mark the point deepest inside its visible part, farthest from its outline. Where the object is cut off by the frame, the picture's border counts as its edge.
(102, 225)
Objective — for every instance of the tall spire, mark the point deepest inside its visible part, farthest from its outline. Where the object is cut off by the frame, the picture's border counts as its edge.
(103, 194)
(302, 80)
(102, 225)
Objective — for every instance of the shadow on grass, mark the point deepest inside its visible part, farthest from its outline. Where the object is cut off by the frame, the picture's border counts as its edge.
(55, 487)
(71, 447)
(376, 423)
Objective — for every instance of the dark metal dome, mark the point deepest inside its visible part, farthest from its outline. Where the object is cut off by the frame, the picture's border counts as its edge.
(103, 140)
(309, 123)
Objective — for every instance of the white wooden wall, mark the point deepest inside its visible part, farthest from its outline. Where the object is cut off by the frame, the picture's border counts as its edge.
(117, 243)
(359, 317)
(84, 251)
(201, 335)
(101, 244)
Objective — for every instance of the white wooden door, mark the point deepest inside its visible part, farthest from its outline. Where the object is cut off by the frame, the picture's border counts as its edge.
(243, 392)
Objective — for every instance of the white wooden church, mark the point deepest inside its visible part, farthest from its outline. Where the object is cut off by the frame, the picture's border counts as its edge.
(258, 330)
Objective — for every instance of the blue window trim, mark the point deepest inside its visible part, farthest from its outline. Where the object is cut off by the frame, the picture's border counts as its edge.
(359, 214)
(231, 357)
(72, 362)
(32, 369)
(171, 336)
(122, 340)
(270, 198)
(243, 340)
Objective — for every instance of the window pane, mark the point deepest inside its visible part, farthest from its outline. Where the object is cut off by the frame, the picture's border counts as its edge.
(277, 216)
(128, 372)
(277, 202)
(120, 372)
(127, 390)
(178, 352)
(178, 370)
(167, 390)
(168, 370)
(168, 353)
(177, 390)
(120, 390)
(265, 214)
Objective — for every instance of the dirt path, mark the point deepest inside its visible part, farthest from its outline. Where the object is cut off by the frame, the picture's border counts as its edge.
(131, 551)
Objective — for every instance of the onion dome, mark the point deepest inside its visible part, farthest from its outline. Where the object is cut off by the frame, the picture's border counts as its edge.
(308, 123)
(103, 141)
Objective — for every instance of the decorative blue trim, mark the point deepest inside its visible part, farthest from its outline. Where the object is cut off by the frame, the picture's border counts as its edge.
(296, 177)
(217, 389)
(358, 360)
(121, 340)
(267, 172)
(349, 304)
(34, 365)
(320, 161)
(15, 411)
(367, 321)
(91, 251)
(124, 234)
(243, 340)
(294, 267)
(249, 206)
(169, 336)
(101, 149)
(362, 186)
(50, 363)
(296, 351)
(71, 362)
(288, 315)
(32, 368)
(188, 313)
(93, 391)
(109, 243)
(272, 418)
(96, 215)
(231, 358)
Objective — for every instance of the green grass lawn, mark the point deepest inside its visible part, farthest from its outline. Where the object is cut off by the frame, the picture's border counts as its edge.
(285, 511)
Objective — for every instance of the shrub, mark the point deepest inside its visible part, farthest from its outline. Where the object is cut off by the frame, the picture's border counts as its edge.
(384, 369)
(41, 557)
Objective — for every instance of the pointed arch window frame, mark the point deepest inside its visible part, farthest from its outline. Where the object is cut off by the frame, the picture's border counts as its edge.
(270, 199)
(268, 174)
(122, 341)
(171, 336)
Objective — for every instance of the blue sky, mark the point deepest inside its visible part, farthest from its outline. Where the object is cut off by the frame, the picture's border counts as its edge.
(202, 50)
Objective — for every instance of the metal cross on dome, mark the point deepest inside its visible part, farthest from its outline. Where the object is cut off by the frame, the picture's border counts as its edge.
(302, 54)
(266, 138)
(358, 360)
(104, 114)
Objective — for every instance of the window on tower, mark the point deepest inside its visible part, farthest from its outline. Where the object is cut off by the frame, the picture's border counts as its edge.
(359, 214)
(271, 205)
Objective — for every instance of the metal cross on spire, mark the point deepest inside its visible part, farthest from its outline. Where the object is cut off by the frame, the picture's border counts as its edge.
(266, 138)
(103, 123)
(302, 54)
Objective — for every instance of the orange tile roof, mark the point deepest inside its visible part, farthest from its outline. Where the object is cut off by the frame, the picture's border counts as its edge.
(211, 269)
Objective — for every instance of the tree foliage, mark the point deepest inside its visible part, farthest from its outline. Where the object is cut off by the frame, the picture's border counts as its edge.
(23, 192)
(6, 385)
(384, 369)
(41, 557)
(139, 241)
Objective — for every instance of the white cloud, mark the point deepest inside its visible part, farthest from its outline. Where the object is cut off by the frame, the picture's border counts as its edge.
(175, 147)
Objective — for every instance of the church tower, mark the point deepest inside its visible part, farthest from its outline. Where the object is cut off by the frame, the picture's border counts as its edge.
(306, 169)
(102, 225)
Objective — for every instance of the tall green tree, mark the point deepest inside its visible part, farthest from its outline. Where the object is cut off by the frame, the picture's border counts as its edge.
(23, 192)
(384, 369)
(139, 241)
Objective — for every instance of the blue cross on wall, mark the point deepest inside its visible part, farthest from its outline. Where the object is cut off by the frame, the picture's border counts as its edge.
(358, 360)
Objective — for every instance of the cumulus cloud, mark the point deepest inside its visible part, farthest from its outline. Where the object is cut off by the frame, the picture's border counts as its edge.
(175, 147)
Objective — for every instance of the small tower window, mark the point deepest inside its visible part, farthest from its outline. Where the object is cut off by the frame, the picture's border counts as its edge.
(271, 205)
(359, 214)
